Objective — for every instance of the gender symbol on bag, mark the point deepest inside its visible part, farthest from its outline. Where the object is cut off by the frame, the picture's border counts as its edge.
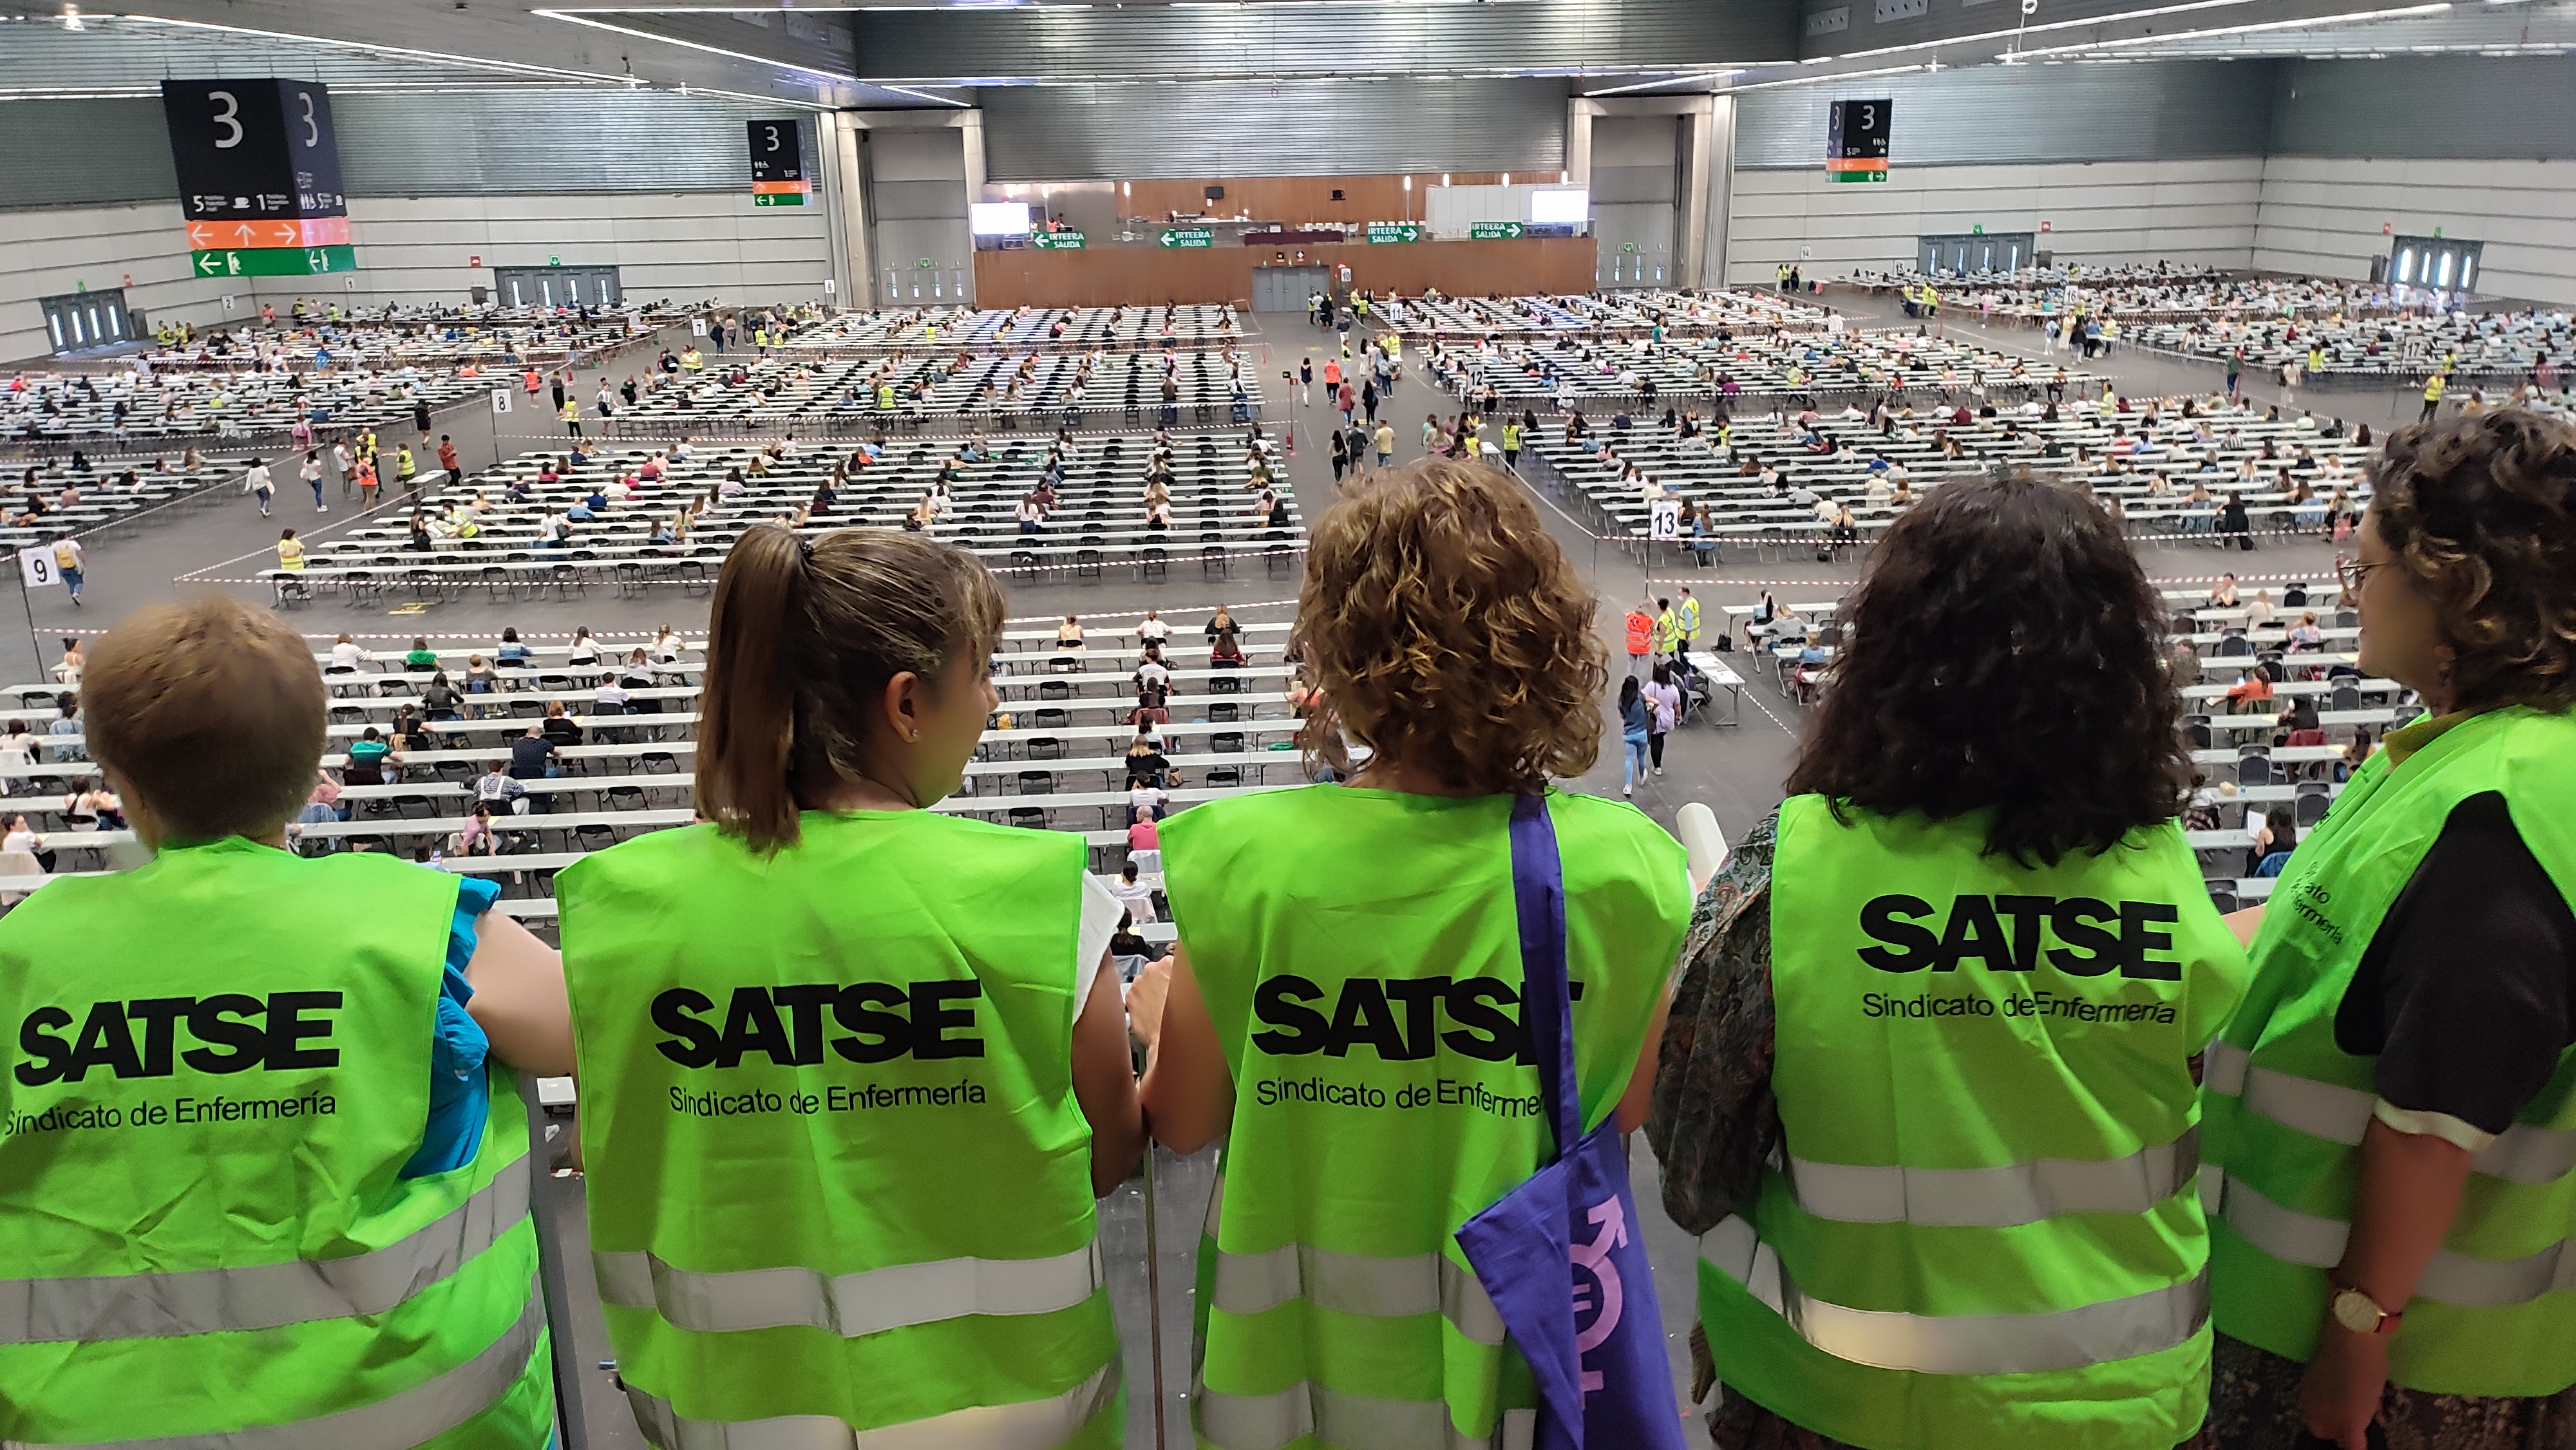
(1594, 1258)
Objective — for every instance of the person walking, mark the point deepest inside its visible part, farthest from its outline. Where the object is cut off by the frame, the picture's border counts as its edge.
(259, 484)
(847, 683)
(1928, 1097)
(1636, 728)
(311, 472)
(2433, 387)
(1639, 633)
(1512, 444)
(69, 561)
(1473, 689)
(2235, 373)
(447, 459)
(1664, 702)
(1341, 454)
(570, 411)
(331, 1176)
(2386, 1117)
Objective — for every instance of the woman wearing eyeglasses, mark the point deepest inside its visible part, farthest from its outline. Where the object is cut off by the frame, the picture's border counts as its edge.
(2389, 1124)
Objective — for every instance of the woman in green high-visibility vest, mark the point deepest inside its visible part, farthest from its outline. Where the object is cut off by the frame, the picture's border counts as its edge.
(263, 1174)
(1345, 1003)
(853, 1069)
(2391, 1148)
(1927, 1095)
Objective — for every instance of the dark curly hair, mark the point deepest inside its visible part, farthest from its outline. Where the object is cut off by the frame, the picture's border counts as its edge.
(2477, 510)
(2005, 652)
(1444, 627)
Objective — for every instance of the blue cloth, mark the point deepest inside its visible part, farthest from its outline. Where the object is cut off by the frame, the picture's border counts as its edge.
(460, 1096)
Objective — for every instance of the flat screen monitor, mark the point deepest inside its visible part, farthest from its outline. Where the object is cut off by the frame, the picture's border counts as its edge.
(999, 218)
(1560, 207)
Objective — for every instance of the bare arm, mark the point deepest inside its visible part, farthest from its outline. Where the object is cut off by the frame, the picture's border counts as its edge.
(519, 999)
(1641, 1081)
(1104, 1083)
(1188, 1091)
(2410, 1191)
(2245, 923)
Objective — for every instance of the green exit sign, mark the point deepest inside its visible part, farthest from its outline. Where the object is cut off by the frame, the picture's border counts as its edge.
(1496, 231)
(1394, 232)
(1187, 237)
(781, 198)
(1059, 241)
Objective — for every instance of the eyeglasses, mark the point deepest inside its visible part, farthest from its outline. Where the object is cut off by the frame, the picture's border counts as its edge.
(2352, 573)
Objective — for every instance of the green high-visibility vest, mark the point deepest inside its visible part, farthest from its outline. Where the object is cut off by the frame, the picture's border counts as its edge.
(219, 1067)
(1690, 618)
(1981, 1230)
(2286, 1107)
(838, 1179)
(1360, 957)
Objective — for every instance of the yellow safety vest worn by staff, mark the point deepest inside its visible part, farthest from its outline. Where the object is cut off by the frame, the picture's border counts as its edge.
(1980, 1228)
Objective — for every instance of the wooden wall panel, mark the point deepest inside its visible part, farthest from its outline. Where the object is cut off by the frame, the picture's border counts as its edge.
(1298, 199)
(1106, 276)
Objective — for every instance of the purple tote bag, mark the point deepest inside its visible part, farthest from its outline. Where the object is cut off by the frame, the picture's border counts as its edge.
(1563, 1255)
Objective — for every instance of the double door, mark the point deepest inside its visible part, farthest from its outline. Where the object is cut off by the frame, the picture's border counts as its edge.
(1968, 255)
(83, 321)
(1285, 289)
(556, 286)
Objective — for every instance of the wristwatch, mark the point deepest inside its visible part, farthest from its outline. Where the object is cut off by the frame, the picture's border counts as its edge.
(2360, 1313)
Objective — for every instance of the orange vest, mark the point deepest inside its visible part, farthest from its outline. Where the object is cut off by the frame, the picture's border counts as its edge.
(1641, 633)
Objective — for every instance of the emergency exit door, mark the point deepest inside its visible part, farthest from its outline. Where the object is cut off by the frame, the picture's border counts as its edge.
(556, 286)
(1975, 252)
(1285, 289)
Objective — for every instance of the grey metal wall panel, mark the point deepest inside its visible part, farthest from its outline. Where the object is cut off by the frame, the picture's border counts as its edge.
(2164, 111)
(1632, 183)
(526, 142)
(2427, 107)
(937, 154)
(80, 153)
(920, 200)
(1290, 128)
(1281, 38)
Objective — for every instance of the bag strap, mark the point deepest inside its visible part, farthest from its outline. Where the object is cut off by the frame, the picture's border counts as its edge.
(1538, 892)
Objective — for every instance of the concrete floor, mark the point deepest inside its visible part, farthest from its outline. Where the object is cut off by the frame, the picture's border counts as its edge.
(1736, 771)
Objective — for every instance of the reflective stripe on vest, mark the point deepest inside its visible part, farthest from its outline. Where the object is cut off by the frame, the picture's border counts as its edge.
(1379, 1288)
(1980, 1344)
(2520, 1154)
(850, 1304)
(1026, 1425)
(2015, 1193)
(421, 1413)
(2451, 1278)
(1347, 1422)
(263, 1296)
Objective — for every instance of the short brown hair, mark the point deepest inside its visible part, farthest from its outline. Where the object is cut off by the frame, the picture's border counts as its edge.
(212, 712)
(802, 642)
(2480, 510)
(1447, 630)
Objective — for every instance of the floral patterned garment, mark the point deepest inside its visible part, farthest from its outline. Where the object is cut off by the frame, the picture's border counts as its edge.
(1713, 1122)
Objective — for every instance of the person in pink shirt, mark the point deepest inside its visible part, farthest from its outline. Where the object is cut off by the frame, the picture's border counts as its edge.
(1142, 836)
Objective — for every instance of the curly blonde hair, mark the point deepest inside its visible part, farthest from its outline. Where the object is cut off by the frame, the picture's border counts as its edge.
(2480, 511)
(1445, 629)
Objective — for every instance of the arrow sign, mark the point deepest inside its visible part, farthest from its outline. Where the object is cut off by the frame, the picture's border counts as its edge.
(244, 233)
(209, 263)
(1496, 231)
